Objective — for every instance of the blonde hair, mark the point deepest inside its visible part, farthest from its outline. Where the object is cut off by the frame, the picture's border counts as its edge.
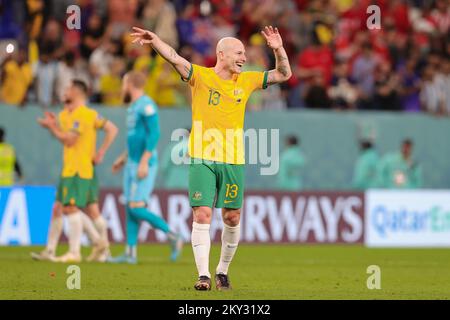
(136, 78)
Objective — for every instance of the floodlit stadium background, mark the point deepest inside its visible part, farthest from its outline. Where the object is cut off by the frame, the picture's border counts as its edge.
(350, 84)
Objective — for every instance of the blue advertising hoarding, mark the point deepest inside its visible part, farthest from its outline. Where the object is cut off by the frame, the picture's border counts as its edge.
(24, 213)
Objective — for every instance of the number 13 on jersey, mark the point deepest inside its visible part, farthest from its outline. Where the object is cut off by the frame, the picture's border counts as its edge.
(214, 97)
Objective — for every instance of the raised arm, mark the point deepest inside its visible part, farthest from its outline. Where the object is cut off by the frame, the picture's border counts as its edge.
(51, 124)
(181, 65)
(282, 71)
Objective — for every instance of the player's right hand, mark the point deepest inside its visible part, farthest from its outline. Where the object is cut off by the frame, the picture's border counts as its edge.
(50, 115)
(142, 36)
(48, 120)
(273, 37)
(142, 170)
(42, 122)
(117, 166)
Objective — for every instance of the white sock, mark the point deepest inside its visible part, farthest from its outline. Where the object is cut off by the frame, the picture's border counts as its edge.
(230, 241)
(75, 232)
(131, 251)
(89, 228)
(56, 226)
(102, 228)
(201, 243)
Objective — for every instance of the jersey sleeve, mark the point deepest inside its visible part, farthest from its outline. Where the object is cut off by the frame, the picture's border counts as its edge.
(193, 74)
(99, 121)
(256, 79)
(149, 114)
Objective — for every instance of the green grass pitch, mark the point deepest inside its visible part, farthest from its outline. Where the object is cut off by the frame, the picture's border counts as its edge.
(258, 272)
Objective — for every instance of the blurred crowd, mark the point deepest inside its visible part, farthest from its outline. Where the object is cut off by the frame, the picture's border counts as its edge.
(338, 62)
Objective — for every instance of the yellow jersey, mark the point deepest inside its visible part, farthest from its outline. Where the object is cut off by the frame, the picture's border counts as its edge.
(17, 80)
(78, 159)
(218, 108)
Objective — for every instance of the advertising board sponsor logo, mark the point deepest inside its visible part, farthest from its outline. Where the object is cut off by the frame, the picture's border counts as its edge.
(408, 218)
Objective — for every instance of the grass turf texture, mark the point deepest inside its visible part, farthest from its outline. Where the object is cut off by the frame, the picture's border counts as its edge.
(258, 272)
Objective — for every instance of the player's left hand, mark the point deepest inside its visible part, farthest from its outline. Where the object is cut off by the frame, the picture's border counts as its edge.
(142, 170)
(272, 37)
(98, 158)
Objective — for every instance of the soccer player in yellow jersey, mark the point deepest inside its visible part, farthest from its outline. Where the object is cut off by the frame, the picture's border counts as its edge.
(76, 128)
(219, 96)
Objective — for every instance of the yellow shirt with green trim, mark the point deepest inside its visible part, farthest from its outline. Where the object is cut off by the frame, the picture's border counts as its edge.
(218, 109)
(78, 159)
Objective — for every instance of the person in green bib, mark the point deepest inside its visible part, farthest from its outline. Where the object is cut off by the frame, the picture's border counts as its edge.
(9, 166)
(365, 172)
(292, 162)
(399, 170)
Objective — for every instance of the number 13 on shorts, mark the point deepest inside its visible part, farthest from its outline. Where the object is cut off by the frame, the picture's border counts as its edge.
(232, 191)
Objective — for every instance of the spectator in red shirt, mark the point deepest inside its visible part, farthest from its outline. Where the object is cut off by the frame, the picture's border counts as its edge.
(316, 59)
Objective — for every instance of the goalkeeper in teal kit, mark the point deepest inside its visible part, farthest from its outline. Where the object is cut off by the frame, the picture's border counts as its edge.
(140, 166)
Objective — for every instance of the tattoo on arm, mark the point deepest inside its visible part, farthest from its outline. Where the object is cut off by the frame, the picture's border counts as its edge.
(283, 70)
(281, 61)
(281, 58)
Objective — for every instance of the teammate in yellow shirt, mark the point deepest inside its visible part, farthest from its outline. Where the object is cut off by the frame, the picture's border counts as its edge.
(17, 77)
(219, 96)
(76, 128)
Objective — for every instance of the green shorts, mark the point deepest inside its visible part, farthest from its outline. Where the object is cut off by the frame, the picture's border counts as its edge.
(75, 191)
(208, 179)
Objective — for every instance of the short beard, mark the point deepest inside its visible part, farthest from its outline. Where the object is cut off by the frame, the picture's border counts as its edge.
(127, 98)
